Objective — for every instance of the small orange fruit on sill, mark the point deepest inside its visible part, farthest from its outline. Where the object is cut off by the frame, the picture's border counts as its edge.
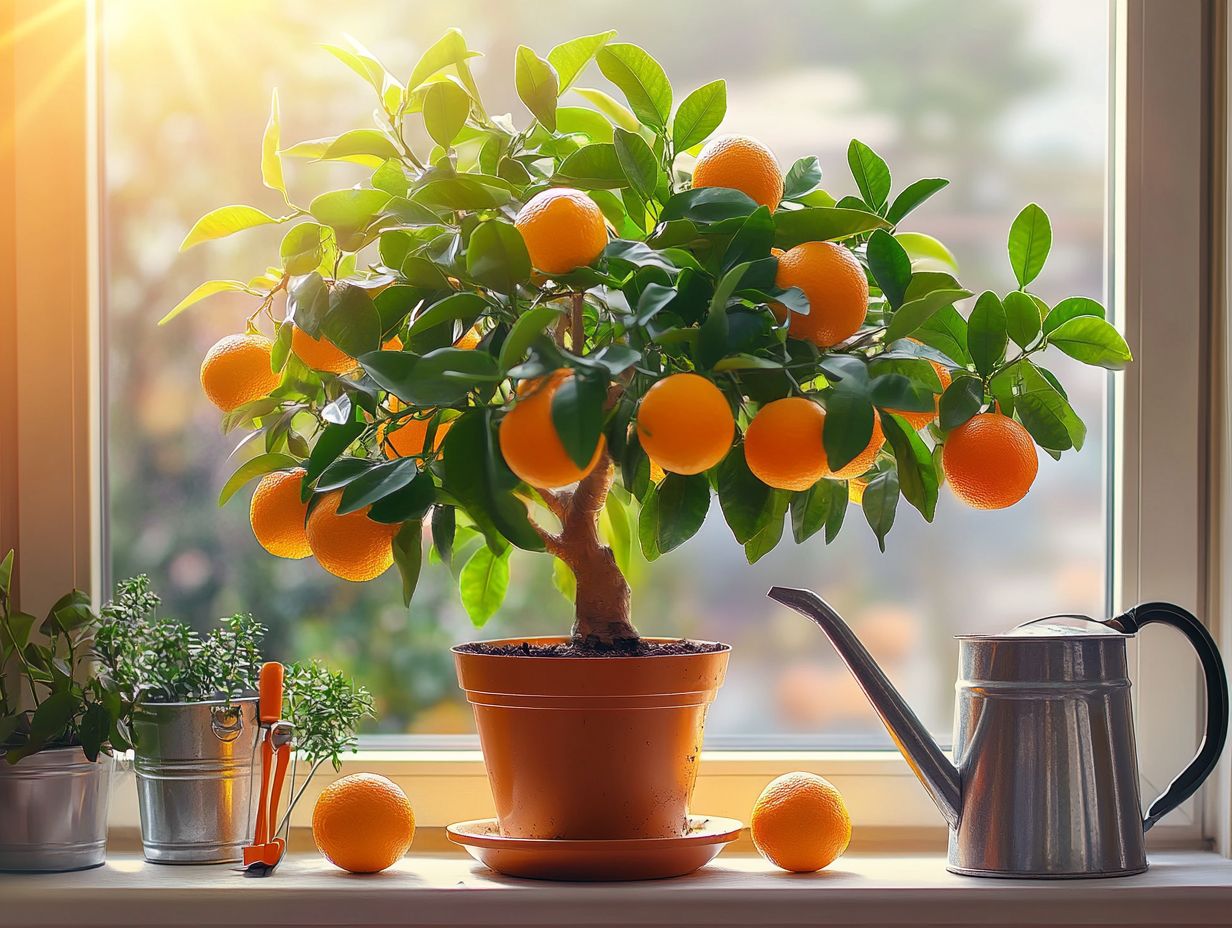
(784, 449)
(685, 424)
(363, 823)
(740, 163)
(323, 355)
(989, 461)
(529, 442)
(837, 291)
(350, 546)
(563, 229)
(237, 370)
(277, 514)
(800, 823)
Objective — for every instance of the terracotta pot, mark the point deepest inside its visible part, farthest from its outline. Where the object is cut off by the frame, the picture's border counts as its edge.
(591, 748)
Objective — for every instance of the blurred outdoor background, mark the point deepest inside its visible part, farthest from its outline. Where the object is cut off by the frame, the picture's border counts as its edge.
(1007, 98)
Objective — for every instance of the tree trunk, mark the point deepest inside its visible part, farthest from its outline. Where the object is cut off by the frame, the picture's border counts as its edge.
(602, 599)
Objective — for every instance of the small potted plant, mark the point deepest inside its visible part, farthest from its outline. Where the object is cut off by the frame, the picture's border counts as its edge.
(195, 725)
(567, 333)
(60, 721)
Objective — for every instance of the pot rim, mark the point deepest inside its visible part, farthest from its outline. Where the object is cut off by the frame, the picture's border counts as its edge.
(723, 648)
(143, 703)
(55, 757)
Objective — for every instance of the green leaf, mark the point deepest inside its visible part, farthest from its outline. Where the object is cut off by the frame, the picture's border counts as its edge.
(408, 555)
(224, 221)
(962, 399)
(6, 574)
(699, 115)
(927, 253)
(821, 224)
(207, 289)
(444, 529)
(752, 240)
(449, 49)
(360, 142)
(483, 584)
(445, 108)
(672, 513)
(301, 249)
(442, 377)
(1091, 340)
(641, 79)
(308, 302)
(93, 730)
(1042, 407)
(463, 307)
(916, 312)
(912, 196)
(880, 502)
(770, 531)
(256, 467)
(352, 322)
(594, 166)
(348, 211)
(917, 475)
(569, 58)
(577, 120)
(1030, 240)
(986, 332)
(538, 85)
(376, 483)
(564, 580)
(334, 440)
(871, 174)
(743, 498)
(410, 504)
(618, 531)
(815, 509)
(271, 163)
(849, 426)
(497, 256)
(802, 178)
(890, 266)
(1022, 318)
(709, 204)
(1071, 308)
(52, 716)
(577, 415)
(465, 192)
(525, 331)
(610, 107)
(637, 161)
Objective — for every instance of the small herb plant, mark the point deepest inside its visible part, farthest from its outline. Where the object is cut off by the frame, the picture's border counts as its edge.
(153, 658)
(70, 702)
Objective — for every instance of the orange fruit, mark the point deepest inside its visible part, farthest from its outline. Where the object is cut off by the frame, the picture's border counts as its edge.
(323, 355)
(855, 490)
(469, 341)
(238, 370)
(407, 440)
(740, 163)
(363, 823)
(656, 473)
(350, 546)
(528, 439)
(563, 229)
(837, 291)
(919, 420)
(990, 461)
(784, 449)
(277, 514)
(800, 823)
(685, 424)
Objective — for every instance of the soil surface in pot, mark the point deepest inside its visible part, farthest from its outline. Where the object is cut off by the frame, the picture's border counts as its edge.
(639, 648)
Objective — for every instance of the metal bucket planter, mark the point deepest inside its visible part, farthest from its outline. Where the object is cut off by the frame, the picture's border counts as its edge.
(53, 811)
(194, 763)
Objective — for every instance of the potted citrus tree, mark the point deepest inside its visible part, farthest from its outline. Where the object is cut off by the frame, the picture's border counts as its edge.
(567, 331)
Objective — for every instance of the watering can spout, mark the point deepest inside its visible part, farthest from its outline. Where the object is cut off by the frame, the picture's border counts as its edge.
(934, 769)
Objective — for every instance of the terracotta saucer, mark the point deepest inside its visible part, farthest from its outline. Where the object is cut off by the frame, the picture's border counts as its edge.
(627, 859)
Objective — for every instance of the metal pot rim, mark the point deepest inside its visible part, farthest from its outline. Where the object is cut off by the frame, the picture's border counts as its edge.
(55, 757)
(238, 700)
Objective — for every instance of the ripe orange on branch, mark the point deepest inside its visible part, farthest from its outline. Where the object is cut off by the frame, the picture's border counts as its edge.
(684, 424)
(277, 514)
(529, 442)
(836, 287)
(563, 229)
(740, 163)
(350, 546)
(784, 446)
(323, 355)
(238, 370)
(918, 420)
(990, 461)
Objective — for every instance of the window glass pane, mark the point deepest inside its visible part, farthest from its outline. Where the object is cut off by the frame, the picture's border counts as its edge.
(1008, 98)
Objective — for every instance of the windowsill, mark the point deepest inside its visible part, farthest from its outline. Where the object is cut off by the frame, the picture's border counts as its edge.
(1182, 887)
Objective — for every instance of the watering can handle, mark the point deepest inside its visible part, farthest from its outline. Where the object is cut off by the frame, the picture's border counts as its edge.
(1216, 732)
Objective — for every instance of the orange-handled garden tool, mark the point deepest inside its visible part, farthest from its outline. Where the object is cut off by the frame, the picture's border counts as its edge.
(263, 855)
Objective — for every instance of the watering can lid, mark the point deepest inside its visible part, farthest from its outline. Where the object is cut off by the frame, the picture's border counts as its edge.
(1063, 625)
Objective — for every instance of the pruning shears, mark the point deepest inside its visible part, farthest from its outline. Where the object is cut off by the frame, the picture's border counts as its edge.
(267, 849)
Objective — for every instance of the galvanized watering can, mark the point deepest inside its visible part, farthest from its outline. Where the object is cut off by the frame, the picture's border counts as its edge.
(1044, 781)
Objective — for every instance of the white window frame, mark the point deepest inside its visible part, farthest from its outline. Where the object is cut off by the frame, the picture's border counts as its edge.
(1167, 103)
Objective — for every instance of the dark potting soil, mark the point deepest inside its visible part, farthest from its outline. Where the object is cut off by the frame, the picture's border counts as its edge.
(637, 648)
